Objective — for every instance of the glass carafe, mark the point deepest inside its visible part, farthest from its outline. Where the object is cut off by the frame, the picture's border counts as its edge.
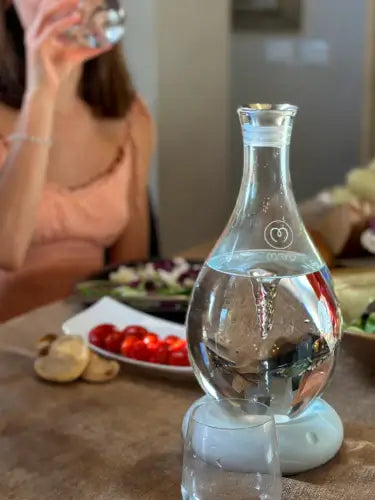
(263, 321)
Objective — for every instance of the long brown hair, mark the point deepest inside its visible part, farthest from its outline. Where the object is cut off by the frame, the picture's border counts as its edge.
(105, 85)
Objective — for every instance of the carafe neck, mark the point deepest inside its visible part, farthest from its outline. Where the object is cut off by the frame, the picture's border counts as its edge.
(266, 184)
(266, 175)
(266, 224)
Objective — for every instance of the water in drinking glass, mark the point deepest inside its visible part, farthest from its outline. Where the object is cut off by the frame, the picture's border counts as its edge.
(102, 23)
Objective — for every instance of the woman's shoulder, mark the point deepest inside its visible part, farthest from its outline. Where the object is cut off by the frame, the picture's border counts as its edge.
(141, 124)
(139, 108)
(136, 122)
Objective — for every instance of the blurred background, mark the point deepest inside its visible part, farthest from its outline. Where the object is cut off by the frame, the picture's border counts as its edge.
(195, 62)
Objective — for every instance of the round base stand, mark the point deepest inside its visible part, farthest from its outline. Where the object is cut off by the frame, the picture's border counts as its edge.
(305, 442)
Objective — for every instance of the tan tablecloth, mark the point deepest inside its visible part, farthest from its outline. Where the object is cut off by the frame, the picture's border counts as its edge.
(122, 440)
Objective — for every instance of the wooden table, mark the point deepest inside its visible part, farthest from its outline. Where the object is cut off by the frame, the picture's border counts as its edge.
(122, 440)
(199, 252)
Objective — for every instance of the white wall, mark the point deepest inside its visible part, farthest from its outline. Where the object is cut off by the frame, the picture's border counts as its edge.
(193, 120)
(328, 88)
(179, 55)
(142, 56)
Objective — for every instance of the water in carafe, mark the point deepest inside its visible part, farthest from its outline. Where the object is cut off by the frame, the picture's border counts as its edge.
(263, 321)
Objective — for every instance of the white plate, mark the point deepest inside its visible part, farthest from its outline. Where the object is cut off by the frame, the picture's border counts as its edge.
(108, 310)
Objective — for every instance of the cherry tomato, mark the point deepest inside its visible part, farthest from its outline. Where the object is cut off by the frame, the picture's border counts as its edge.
(171, 339)
(140, 351)
(179, 358)
(127, 345)
(151, 338)
(98, 334)
(159, 353)
(113, 342)
(179, 345)
(136, 330)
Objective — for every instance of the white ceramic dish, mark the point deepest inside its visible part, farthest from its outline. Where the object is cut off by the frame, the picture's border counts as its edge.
(108, 310)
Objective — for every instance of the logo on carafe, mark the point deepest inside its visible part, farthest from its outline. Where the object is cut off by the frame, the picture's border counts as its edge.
(278, 235)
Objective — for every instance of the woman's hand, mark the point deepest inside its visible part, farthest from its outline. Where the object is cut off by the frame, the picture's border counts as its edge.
(49, 59)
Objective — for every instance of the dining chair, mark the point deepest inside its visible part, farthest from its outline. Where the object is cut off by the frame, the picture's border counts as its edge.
(154, 248)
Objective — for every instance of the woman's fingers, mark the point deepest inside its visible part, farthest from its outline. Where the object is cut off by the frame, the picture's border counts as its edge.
(81, 54)
(48, 14)
(48, 49)
(59, 27)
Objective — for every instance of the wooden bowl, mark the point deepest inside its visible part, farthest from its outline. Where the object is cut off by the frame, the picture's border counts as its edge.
(323, 248)
(355, 288)
(361, 346)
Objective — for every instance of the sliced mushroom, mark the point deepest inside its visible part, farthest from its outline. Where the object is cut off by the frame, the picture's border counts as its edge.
(44, 343)
(66, 360)
(100, 369)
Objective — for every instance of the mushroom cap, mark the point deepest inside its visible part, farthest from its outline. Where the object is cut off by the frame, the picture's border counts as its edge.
(100, 369)
(44, 343)
(66, 360)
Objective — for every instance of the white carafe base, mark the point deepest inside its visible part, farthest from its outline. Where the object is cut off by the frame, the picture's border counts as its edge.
(305, 442)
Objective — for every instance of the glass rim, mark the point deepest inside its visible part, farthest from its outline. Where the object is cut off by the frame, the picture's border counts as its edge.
(269, 415)
(285, 108)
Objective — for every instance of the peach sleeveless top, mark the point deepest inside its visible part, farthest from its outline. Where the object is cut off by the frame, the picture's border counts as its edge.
(75, 226)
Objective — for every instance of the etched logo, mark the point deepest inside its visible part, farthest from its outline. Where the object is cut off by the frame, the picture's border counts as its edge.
(278, 235)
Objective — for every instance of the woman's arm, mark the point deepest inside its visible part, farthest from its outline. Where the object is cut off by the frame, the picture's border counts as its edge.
(134, 243)
(22, 179)
(49, 64)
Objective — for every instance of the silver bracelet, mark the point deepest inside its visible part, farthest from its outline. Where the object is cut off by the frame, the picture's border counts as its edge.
(18, 136)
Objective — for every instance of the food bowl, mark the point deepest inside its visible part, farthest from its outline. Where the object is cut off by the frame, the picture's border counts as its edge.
(355, 289)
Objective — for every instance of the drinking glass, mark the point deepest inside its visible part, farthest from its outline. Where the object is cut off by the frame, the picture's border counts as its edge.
(102, 23)
(230, 452)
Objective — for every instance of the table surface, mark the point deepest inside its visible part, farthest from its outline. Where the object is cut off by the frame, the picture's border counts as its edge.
(122, 440)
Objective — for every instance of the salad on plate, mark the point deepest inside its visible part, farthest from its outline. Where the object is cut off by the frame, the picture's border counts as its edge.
(365, 323)
(156, 281)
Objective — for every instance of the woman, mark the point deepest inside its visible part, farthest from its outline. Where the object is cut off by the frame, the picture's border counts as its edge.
(75, 148)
